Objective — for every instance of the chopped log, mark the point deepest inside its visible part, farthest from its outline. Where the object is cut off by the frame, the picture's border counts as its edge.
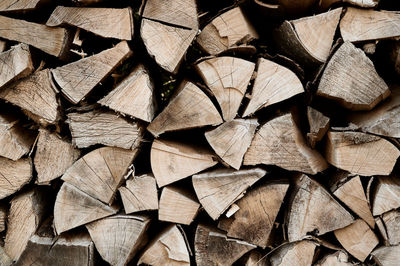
(319, 125)
(382, 230)
(4, 258)
(386, 196)
(358, 239)
(219, 189)
(297, 253)
(78, 78)
(391, 222)
(20, 5)
(231, 140)
(214, 248)
(362, 89)
(315, 210)
(254, 221)
(189, 108)
(3, 217)
(325, 4)
(387, 256)
(168, 248)
(285, 7)
(139, 194)
(255, 258)
(228, 30)
(74, 208)
(228, 78)
(367, 24)
(394, 55)
(14, 175)
(3, 46)
(360, 153)
(134, 96)
(339, 258)
(15, 63)
(279, 142)
(98, 127)
(106, 22)
(118, 238)
(54, 41)
(273, 83)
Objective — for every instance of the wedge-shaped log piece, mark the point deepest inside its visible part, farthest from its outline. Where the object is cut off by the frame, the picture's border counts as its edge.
(315, 210)
(387, 256)
(118, 238)
(319, 125)
(20, 5)
(134, 96)
(189, 108)
(74, 208)
(386, 196)
(97, 127)
(218, 189)
(228, 30)
(167, 248)
(105, 22)
(3, 218)
(339, 258)
(274, 83)
(78, 78)
(214, 248)
(14, 175)
(360, 153)
(255, 218)
(228, 78)
(139, 194)
(358, 239)
(232, 139)
(279, 142)
(361, 89)
(391, 222)
(299, 253)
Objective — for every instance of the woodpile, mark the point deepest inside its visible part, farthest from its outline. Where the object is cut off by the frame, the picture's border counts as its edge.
(184, 132)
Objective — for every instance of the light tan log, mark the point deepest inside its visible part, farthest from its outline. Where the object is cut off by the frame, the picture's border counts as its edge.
(319, 125)
(118, 238)
(218, 189)
(106, 22)
(14, 175)
(358, 239)
(339, 258)
(167, 248)
(387, 256)
(315, 210)
(360, 153)
(391, 222)
(3, 46)
(139, 194)
(78, 78)
(282, 8)
(386, 196)
(3, 217)
(20, 5)
(4, 258)
(254, 258)
(134, 96)
(325, 4)
(279, 142)
(297, 253)
(74, 208)
(189, 108)
(273, 83)
(228, 78)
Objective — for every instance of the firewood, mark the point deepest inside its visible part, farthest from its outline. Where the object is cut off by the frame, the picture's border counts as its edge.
(228, 30)
(14, 175)
(168, 248)
(279, 142)
(231, 140)
(387, 256)
(105, 22)
(3, 46)
(338, 258)
(15, 63)
(89, 71)
(394, 55)
(118, 238)
(189, 108)
(325, 4)
(319, 125)
(54, 41)
(285, 7)
(4, 258)
(359, 91)
(297, 253)
(254, 221)
(391, 227)
(3, 217)
(228, 78)
(274, 83)
(20, 5)
(386, 196)
(360, 153)
(134, 96)
(139, 194)
(358, 239)
(315, 209)
(219, 189)
(97, 127)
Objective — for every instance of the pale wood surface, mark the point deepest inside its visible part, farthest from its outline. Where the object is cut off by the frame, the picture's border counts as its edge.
(363, 3)
(339, 258)
(319, 125)
(14, 175)
(297, 253)
(386, 195)
(3, 46)
(19, 5)
(391, 221)
(5, 260)
(387, 256)
(3, 218)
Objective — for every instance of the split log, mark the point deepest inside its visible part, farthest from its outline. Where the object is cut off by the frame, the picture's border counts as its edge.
(394, 55)
(391, 225)
(20, 5)
(255, 258)
(279, 142)
(78, 78)
(105, 22)
(285, 7)
(3, 46)
(189, 108)
(362, 89)
(231, 140)
(4, 258)
(118, 238)
(228, 78)
(386, 196)
(319, 125)
(360, 153)
(338, 258)
(298, 253)
(315, 209)
(273, 83)
(325, 4)
(228, 30)
(3, 217)
(387, 256)
(219, 189)
(14, 175)
(358, 239)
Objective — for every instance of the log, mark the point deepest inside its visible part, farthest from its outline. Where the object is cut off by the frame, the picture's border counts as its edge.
(118, 238)
(3, 218)
(391, 225)
(14, 175)
(325, 4)
(218, 189)
(4, 258)
(254, 257)
(339, 258)
(394, 56)
(282, 8)
(3, 46)
(299, 253)
(319, 125)
(89, 71)
(386, 195)
(387, 256)
(20, 5)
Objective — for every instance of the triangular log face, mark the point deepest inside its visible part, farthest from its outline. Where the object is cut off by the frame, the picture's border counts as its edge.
(392, 227)
(386, 196)
(319, 125)
(299, 253)
(21, 5)
(387, 255)
(14, 175)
